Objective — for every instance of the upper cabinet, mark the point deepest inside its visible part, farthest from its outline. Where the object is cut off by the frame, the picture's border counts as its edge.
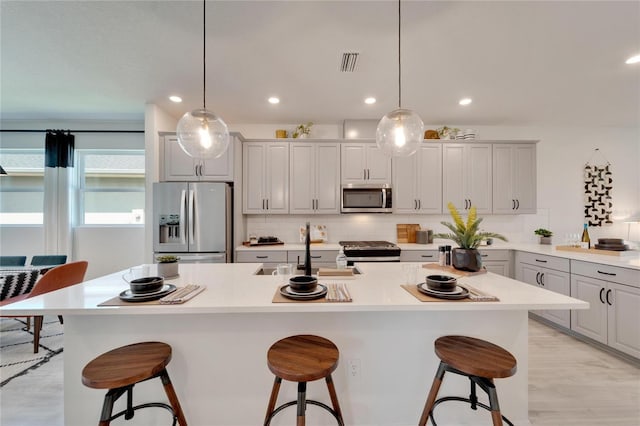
(314, 176)
(178, 166)
(514, 178)
(417, 181)
(364, 163)
(466, 176)
(265, 177)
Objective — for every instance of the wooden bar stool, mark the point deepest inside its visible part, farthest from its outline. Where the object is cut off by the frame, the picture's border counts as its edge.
(476, 359)
(120, 369)
(303, 359)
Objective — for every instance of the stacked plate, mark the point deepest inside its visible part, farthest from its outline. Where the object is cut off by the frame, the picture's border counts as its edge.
(615, 244)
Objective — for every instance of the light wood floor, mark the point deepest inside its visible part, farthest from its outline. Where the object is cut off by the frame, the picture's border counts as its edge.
(572, 383)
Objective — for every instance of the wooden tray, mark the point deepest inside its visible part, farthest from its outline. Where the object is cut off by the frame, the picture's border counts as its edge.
(591, 250)
(407, 232)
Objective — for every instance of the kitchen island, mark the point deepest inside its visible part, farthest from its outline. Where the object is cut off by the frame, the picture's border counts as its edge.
(220, 339)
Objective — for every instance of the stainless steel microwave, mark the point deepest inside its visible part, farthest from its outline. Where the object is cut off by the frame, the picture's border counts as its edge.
(366, 198)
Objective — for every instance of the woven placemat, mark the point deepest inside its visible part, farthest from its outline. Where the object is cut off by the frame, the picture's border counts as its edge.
(279, 298)
(479, 296)
(116, 301)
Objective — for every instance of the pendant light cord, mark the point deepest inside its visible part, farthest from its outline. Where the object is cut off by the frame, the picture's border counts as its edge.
(204, 54)
(399, 62)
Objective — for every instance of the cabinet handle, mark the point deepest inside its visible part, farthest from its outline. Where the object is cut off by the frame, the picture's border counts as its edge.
(368, 174)
(607, 273)
(538, 277)
(542, 279)
(262, 257)
(601, 299)
(263, 204)
(316, 257)
(513, 204)
(607, 297)
(364, 174)
(267, 204)
(517, 204)
(541, 261)
(419, 204)
(201, 169)
(429, 256)
(484, 255)
(415, 204)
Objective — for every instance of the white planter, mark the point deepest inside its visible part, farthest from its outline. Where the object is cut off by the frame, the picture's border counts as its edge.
(168, 270)
(545, 240)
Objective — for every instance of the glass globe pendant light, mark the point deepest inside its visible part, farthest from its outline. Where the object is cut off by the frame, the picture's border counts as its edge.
(400, 132)
(201, 133)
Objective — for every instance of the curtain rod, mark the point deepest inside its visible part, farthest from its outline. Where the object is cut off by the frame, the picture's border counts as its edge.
(72, 131)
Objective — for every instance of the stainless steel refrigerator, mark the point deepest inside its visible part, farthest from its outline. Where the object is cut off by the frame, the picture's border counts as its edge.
(193, 220)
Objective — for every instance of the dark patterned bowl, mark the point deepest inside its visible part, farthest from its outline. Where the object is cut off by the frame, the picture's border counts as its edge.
(146, 285)
(441, 283)
(303, 283)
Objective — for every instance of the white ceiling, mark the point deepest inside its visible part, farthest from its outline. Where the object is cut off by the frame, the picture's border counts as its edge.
(522, 62)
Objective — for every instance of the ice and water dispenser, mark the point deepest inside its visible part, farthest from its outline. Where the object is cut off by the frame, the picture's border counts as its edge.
(170, 228)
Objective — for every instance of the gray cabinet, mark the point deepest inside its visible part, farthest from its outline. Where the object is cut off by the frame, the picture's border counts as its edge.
(364, 163)
(265, 178)
(550, 273)
(418, 256)
(514, 178)
(178, 166)
(613, 293)
(497, 261)
(466, 176)
(314, 178)
(417, 181)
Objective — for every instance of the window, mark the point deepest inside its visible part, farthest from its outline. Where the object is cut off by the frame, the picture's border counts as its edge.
(111, 186)
(22, 188)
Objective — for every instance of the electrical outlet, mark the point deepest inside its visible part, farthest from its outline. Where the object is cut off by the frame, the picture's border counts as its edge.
(353, 366)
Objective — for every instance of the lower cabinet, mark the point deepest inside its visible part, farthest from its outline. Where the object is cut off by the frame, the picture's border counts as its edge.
(497, 261)
(528, 270)
(418, 256)
(613, 317)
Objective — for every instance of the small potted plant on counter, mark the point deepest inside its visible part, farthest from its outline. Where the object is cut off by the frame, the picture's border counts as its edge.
(167, 266)
(545, 235)
(468, 237)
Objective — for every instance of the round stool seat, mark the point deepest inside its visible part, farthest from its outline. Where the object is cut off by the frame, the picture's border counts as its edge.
(126, 365)
(475, 357)
(303, 358)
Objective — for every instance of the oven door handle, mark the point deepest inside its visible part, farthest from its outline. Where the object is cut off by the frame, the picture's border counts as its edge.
(374, 259)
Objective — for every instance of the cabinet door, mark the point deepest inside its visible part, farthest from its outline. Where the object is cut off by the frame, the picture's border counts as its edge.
(623, 318)
(453, 177)
(178, 166)
(353, 163)
(500, 267)
(277, 178)
(327, 178)
(378, 165)
(219, 169)
(302, 180)
(591, 322)
(429, 184)
(478, 177)
(405, 183)
(514, 179)
(253, 173)
(503, 182)
(558, 282)
(525, 176)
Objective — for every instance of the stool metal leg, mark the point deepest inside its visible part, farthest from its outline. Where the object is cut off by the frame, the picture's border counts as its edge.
(272, 400)
(433, 393)
(173, 398)
(302, 403)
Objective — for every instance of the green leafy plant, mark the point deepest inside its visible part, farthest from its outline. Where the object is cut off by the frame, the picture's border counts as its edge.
(302, 129)
(167, 259)
(543, 232)
(446, 131)
(466, 235)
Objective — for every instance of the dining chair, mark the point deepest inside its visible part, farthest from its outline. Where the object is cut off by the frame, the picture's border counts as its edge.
(13, 260)
(55, 279)
(48, 259)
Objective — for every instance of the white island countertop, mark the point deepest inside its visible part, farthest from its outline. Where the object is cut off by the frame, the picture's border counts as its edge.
(234, 288)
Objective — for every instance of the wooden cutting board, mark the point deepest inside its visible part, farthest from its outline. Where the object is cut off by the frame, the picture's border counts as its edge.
(407, 232)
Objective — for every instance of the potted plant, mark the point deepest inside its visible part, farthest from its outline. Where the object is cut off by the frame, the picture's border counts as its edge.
(303, 130)
(167, 266)
(468, 237)
(545, 235)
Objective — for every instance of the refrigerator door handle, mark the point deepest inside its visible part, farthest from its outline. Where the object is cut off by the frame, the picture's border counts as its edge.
(192, 221)
(183, 203)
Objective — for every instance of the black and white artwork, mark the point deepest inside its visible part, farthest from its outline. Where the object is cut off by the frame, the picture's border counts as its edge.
(598, 184)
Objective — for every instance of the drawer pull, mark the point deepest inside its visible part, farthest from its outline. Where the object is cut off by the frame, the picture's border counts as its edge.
(426, 255)
(262, 257)
(484, 255)
(607, 297)
(316, 257)
(601, 299)
(612, 274)
(541, 261)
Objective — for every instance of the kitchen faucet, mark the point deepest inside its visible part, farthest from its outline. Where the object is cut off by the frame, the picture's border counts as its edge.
(307, 254)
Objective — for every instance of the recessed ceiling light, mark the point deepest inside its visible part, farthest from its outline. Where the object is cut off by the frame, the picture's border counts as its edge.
(465, 101)
(633, 60)
(176, 99)
(274, 100)
(370, 100)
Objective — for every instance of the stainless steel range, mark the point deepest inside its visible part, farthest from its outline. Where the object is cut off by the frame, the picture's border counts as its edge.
(370, 251)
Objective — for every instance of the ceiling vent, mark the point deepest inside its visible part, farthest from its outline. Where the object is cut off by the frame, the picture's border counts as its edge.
(349, 61)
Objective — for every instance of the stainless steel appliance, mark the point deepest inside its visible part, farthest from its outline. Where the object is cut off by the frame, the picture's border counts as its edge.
(366, 198)
(370, 251)
(193, 220)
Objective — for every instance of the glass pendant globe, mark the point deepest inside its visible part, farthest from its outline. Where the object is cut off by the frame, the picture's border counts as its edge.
(202, 134)
(400, 133)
